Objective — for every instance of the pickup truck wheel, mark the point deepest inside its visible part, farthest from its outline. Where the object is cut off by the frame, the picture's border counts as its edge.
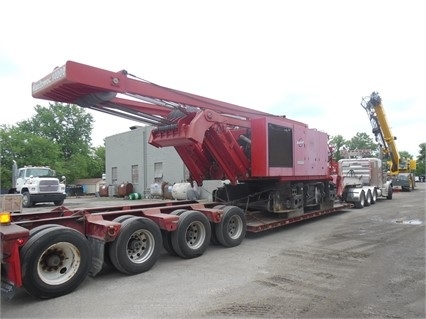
(167, 238)
(192, 237)
(231, 230)
(26, 200)
(55, 261)
(361, 202)
(58, 202)
(137, 247)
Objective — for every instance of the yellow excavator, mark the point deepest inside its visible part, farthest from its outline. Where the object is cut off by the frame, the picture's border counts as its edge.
(400, 170)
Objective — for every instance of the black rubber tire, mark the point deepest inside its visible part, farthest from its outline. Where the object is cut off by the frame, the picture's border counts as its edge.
(26, 200)
(122, 218)
(58, 202)
(374, 197)
(213, 239)
(38, 229)
(368, 199)
(137, 247)
(192, 237)
(67, 249)
(33, 232)
(167, 237)
(390, 193)
(231, 230)
(360, 204)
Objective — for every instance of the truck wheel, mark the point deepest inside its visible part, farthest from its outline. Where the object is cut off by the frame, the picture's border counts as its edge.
(55, 261)
(390, 193)
(58, 202)
(368, 199)
(231, 230)
(137, 247)
(192, 237)
(26, 200)
(361, 202)
(167, 238)
(374, 197)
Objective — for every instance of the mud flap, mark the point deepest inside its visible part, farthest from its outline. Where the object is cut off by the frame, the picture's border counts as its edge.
(8, 290)
(97, 247)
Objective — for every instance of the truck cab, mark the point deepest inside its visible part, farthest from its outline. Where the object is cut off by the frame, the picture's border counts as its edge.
(39, 184)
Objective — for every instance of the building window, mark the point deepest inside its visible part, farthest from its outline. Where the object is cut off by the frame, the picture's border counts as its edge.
(158, 172)
(114, 174)
(135, 174)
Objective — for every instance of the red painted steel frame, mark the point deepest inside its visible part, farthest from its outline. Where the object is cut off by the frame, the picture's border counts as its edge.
(205, 132)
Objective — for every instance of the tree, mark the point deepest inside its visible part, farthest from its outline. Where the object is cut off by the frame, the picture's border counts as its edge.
(26, 149)
(67, 125)
(337, 142)
(361, 141)
(421, 160)
(58, 136)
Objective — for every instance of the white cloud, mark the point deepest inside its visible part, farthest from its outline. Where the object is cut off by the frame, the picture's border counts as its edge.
(310, 60)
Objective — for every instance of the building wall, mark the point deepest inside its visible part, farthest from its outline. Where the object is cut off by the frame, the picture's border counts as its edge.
(127, 149)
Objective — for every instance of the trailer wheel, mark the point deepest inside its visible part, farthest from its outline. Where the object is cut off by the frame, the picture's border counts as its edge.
(38, 229)
(368, 199)
(167, 238)
(213, 239)
(26, 200)
(374, 197)
(231, 230)
(122, 218)
(361, 202)
(137, 247)
(192, 237)
(55, 261)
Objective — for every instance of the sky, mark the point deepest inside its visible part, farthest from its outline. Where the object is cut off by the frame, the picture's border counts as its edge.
(310, 60)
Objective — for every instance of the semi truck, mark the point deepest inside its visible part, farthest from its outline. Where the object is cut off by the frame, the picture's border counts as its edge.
(361, 181)
(278, 172)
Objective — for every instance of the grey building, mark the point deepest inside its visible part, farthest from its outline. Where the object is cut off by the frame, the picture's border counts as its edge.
(130, 159)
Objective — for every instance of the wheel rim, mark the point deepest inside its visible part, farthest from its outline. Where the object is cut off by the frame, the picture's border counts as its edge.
(58, 263)
(25, 200)
(195, 235)
(235, 227)
(140, 246)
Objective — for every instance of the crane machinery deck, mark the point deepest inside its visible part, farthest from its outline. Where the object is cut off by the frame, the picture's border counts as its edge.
(278, 173)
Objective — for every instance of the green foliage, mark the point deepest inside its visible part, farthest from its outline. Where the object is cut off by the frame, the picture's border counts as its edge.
(67, 125)
(26, 149)
(361, 141)
(421, 160)
(58, 136)
(337, 142)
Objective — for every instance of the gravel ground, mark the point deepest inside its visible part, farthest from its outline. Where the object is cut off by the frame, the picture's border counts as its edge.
(359, 263)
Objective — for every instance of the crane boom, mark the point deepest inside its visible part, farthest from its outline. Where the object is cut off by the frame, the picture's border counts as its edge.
(275, 163)
(381, 130)
(401, 169)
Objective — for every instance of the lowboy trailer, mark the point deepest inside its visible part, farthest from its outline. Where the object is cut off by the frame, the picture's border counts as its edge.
(279, 172)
